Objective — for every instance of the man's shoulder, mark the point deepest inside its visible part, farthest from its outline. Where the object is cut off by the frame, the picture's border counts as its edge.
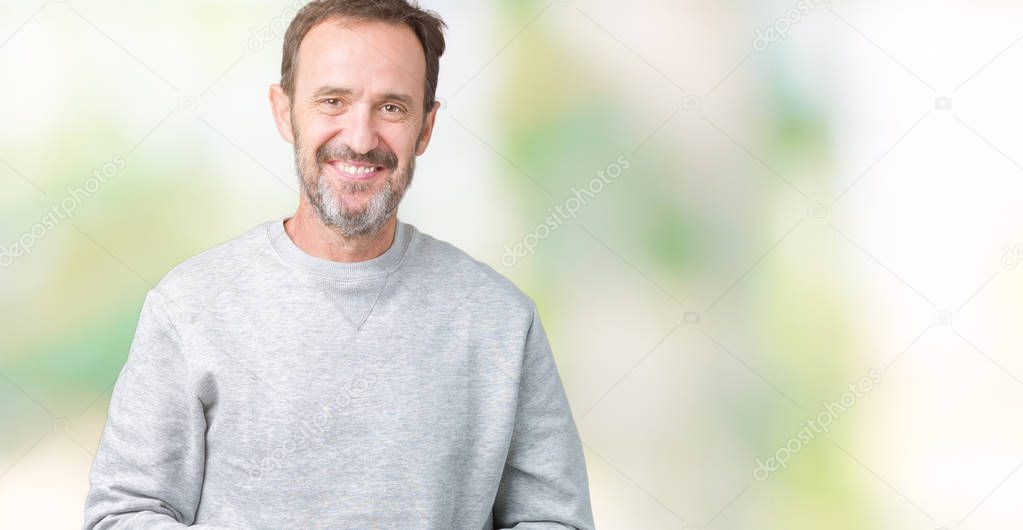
(207, 271)
(456, 271)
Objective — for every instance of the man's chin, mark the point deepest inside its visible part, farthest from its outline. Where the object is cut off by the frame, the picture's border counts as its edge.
(353, 207)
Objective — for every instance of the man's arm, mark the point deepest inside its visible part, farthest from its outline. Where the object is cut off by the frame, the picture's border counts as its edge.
(149, 466)
(544, 485)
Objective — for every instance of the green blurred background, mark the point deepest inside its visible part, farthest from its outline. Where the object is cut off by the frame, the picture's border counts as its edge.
(811, 194)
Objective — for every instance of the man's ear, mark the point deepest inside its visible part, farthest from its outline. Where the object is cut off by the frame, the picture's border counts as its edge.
(280, 103)
(424, 136)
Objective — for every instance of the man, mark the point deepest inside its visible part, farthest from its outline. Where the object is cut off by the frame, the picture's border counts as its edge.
(340, 368)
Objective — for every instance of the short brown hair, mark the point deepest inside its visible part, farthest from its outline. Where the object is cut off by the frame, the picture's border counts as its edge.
(427, 25)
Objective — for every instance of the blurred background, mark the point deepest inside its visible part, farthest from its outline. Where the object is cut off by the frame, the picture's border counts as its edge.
(793, 302)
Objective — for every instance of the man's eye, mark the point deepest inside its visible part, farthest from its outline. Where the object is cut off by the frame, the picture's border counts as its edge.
(391, 108)
(332, 101)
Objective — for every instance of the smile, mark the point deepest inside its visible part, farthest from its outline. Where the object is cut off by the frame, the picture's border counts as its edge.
(353, 171)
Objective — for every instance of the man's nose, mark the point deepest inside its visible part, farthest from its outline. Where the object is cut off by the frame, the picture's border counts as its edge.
(362, 130)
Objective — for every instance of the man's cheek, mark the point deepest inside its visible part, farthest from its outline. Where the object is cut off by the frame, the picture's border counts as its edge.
(398, 137)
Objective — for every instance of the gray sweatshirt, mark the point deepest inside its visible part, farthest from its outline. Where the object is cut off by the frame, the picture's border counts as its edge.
(267, 388)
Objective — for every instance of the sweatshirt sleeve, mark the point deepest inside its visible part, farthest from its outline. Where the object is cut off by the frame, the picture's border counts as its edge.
(148, 469)
(544, 485)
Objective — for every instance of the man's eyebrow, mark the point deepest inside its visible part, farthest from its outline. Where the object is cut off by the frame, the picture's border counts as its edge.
(403, 98)
(342, 91)
(333, 91)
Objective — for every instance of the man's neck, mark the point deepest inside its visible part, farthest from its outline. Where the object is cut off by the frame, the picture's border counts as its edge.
(315, 238)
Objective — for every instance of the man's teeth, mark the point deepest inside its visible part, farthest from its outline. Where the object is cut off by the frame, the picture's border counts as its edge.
(358, 170)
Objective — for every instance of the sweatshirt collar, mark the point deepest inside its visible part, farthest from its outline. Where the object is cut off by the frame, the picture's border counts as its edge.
(381, 265)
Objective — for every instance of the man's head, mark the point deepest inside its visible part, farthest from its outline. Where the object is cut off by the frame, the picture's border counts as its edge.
(357, 100)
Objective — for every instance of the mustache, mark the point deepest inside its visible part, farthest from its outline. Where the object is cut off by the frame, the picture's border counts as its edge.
(376, 157)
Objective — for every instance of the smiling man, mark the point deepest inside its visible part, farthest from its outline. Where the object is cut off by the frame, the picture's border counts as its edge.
(338, 368)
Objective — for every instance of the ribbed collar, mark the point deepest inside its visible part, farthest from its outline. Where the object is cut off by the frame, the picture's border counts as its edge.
(381, 265)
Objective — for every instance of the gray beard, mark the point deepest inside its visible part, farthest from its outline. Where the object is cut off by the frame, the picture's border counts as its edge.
(326, 200)
(332, 211)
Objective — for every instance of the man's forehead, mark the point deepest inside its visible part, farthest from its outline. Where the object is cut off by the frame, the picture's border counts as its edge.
(390, 52)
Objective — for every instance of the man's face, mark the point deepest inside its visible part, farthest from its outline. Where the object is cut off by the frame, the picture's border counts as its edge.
(357, 120)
